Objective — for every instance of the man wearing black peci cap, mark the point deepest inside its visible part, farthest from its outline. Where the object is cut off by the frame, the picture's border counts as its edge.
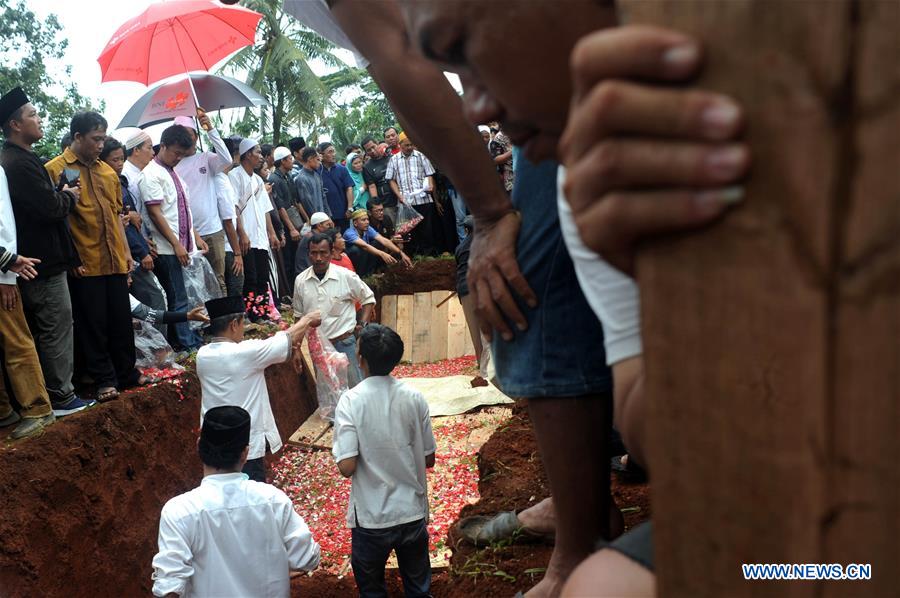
(230, 536)
(232, 372)
(41, 214)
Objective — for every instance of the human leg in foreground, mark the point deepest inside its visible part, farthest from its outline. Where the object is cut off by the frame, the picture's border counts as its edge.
(21, 362)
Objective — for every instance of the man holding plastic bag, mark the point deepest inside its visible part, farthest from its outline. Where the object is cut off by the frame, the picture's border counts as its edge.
(411, 177)
(334, 291)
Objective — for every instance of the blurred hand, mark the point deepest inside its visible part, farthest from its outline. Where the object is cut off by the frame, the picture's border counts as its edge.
(9, 296)
(493, 271)
(147, 263)
(388, 258)
(202, 247)
(181, 253)
(238, 267)
(198, 314)
(295, 235)
(74, 190)
(644, 160)
(405, 259)
(78, 272)
(313, 318)
(24, 267)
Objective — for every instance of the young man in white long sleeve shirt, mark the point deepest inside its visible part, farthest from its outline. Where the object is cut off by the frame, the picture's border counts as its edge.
(230, 536)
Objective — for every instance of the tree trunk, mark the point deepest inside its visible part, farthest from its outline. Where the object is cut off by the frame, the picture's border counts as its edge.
(278, 113)
(772, 340)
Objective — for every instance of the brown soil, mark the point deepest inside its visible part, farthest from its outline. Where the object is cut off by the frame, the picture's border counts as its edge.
(512, 478)
(80, 506)
(428, 274)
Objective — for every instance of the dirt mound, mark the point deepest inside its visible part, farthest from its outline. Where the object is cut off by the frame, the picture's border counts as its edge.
(80, 507)
(428, 274)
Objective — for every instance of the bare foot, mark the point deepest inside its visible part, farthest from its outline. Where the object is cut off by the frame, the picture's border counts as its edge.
(540, 517)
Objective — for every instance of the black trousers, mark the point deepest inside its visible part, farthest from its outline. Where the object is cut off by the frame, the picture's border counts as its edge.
(289, 255)
(104, 336)
(423, 238)
(256, 469)
(364, 262)
(256, 279)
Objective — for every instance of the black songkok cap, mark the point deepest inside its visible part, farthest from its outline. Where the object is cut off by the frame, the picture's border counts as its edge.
(12, 101)
(224, 306)
(225, 429)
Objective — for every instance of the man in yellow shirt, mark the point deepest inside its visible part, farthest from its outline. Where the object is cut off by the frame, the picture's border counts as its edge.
(99, 287)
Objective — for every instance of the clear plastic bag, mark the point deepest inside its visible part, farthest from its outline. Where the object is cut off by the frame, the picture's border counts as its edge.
(200, 283)
(408, 218)
(150, 347)
(331, 373)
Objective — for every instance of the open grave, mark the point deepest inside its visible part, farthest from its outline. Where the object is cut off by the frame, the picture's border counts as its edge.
(80, 505)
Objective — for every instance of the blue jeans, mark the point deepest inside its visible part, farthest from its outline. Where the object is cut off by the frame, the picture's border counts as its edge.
(459, 210)
(348, 348)
(168, 271)
(561, 354)
(369, 554)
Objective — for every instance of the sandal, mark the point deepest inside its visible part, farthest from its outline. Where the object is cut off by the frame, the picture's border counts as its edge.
(482, 530)
(107, 393)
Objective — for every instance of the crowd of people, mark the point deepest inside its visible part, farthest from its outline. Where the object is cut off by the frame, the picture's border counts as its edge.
(534, 269)
(105, 230)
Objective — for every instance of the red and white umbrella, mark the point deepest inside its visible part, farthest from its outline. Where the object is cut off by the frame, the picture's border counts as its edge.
(171, 38)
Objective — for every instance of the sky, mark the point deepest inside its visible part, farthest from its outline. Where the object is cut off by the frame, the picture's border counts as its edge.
(88, 25)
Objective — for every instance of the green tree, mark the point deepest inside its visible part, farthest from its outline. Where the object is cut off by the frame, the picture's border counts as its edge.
(28, 46)
(367, 114)
(278, 67)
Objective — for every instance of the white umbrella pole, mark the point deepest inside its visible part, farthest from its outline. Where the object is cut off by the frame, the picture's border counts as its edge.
(194, 116)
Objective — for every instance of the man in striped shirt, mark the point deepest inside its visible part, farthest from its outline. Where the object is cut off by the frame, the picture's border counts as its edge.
(411, 177)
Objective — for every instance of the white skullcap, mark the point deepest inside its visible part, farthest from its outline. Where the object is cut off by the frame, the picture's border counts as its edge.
(246, 145)
(318, 218)
(130, 137)
(483, 129)
(185, 121)
(280, 153)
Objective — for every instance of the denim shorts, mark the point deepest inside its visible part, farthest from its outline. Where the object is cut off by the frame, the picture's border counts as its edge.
(561, 354)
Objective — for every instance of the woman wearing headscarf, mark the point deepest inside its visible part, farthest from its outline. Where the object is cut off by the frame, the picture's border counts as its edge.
(360, 189)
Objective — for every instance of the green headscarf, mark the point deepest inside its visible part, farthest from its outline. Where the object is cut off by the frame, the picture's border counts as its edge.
(360, 189)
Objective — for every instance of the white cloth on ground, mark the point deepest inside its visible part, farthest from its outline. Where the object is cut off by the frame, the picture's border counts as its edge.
(387, 426)
(234, 374)
(231, 537)
(613, 296)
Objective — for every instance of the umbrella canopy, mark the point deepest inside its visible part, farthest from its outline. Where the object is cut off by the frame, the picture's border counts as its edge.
(171, 38)
(174, 98)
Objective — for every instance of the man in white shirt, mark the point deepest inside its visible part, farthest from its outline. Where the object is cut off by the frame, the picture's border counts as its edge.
(232, 372)
(383, 441)
(138, 153)
(212, 211)
(334, 291)
(254, 207)
(167, 201)
(17, 349)
(411, 177)
(230, 536)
